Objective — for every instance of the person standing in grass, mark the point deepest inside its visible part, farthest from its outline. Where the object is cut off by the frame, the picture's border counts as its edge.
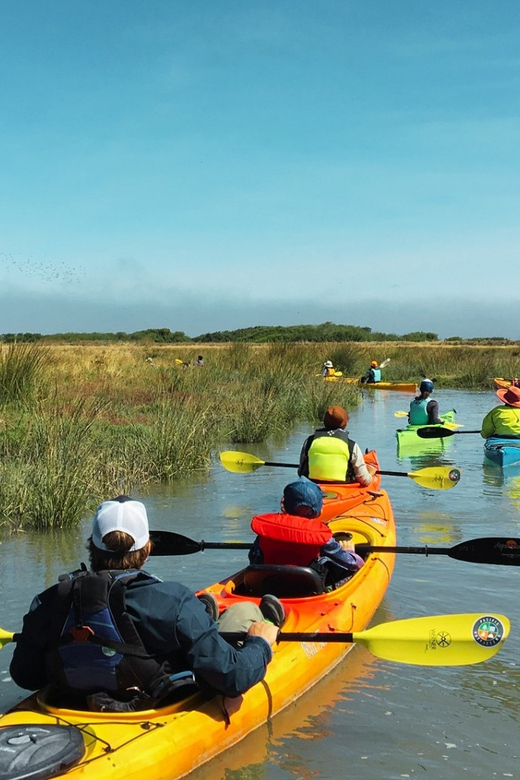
(423, 409)
(503, 420)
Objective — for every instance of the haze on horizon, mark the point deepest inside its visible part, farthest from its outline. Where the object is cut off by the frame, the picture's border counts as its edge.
(205, 167)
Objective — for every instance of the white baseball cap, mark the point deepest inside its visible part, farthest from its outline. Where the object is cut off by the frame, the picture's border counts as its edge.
(121, 514)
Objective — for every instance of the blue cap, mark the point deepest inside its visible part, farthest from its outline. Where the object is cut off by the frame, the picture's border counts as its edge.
(302, 492)
(427, 385)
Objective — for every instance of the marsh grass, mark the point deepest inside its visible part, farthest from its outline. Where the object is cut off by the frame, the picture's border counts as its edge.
(78, 424)
(22, 369)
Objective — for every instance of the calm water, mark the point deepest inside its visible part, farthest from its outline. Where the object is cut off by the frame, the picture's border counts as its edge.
(370, 718)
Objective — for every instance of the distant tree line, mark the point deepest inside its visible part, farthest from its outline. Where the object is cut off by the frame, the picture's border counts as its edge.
(260, 334)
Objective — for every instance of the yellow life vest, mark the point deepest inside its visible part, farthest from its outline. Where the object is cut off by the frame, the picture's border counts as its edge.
(329, 457)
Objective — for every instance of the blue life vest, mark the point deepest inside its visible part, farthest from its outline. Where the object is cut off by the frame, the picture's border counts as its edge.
(375, 375)
(418, 412)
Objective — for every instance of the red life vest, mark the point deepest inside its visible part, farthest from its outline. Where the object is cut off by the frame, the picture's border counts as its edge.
(288, 540)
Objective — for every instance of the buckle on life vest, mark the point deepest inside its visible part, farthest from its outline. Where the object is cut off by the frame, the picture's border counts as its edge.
(81, 633)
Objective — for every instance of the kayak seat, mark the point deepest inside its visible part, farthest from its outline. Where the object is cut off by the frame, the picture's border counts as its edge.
(281, 581)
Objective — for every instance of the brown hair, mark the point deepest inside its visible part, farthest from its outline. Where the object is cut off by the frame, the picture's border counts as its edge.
(119, 556)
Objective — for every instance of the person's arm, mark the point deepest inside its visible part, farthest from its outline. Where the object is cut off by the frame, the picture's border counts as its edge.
(228, 670)
(432, 408)
(28, 668)
(255, 554)
(362, 472)
(303, 469)
(339, 553)
(488, 425)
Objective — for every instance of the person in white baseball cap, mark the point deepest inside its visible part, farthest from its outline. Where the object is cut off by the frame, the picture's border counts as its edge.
(163, 630)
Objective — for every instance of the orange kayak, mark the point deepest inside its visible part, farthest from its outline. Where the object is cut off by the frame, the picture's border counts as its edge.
(169, 743)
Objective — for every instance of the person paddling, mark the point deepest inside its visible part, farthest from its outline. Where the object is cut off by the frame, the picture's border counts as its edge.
(297, 537)
(119, 639)
(503, 421)
(330, 455)
(373, 375)
(423, 409)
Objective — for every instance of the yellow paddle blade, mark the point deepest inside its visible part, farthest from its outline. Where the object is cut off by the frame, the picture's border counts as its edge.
(5, 637)
(443, 640)
(400, 414)
(437, 478)
(338, 373)
(178, 361)
(240, 462)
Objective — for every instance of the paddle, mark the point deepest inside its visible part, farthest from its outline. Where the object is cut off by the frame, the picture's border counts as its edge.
(400, 414)
(441, 640)
(439, 432)
(385, 363)
(437, 478)
(492, 549)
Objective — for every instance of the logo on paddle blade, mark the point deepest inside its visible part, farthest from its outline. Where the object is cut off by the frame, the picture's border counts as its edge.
(488, 631)
(443, 639)
(454, 475)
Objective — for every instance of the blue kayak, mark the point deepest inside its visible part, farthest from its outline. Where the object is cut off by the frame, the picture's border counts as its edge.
(503, 451)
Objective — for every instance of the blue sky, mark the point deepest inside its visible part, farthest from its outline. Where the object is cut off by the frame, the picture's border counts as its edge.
(214, 165)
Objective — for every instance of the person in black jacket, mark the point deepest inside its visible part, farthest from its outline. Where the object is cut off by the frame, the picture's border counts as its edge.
(119, 636)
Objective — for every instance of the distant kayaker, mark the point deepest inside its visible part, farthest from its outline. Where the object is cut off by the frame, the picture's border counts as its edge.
(295, 537)
(199, 362)
(119, 639)
(503, 420)
(423, 409)
(329, 455)
(373, 375)
(328, 369)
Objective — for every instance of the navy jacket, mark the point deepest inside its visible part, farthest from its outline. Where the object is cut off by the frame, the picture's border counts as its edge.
(171, 621)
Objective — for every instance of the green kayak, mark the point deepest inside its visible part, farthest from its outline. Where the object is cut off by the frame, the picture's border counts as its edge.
(409, 443)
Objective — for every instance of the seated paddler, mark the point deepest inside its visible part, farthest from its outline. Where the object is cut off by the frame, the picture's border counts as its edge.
(116, 638)
(330, 455)
(296, 536)
(503, 421)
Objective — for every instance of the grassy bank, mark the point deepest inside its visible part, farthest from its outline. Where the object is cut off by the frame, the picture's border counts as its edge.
(80, 423)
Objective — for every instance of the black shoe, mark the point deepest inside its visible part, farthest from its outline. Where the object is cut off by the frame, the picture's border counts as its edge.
(211, 604)
(272, 610)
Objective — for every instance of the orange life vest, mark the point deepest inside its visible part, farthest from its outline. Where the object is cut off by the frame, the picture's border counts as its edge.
(288, 540)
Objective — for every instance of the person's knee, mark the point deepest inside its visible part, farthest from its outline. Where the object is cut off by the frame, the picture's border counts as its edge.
(239, 617)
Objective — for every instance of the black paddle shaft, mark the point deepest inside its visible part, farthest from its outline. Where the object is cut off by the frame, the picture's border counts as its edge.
(492, 550)
(439, 433)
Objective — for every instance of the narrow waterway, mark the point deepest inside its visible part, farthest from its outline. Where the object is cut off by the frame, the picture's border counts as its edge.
(370, 718)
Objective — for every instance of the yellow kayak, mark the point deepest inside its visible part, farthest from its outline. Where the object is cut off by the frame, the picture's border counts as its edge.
(169, 743)
(403, 387)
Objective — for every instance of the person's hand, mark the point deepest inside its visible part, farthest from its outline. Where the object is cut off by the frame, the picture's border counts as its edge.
(347, 544)
(372, 470)
(267, 631)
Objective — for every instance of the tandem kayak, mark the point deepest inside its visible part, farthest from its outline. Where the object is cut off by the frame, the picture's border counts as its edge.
(409, 442)
(169, 743)
(502, 451)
